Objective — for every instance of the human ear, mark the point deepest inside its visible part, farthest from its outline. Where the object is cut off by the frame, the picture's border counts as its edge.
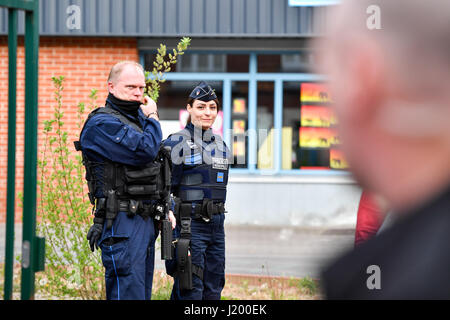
(110, 87)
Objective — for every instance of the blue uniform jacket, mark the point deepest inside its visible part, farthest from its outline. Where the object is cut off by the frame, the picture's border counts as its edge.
(105, 137)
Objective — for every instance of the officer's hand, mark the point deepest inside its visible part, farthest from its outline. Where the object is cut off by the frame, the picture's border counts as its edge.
(149, 106)
(94, 234)
(172, 219)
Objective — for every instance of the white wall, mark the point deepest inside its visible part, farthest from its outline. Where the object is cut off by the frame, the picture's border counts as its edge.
(311, 201)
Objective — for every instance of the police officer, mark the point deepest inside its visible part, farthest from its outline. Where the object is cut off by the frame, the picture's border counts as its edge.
(199, 179)
(120, 143)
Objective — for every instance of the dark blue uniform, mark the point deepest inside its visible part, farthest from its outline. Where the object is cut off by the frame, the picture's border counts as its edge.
(128, 246)
(199, 173)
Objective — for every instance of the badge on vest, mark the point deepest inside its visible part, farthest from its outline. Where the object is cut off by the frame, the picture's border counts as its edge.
(193, 159)
(191, 144)
(220, 163)
(219, 176)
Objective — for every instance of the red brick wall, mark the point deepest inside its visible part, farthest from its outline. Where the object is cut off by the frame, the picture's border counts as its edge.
(85, 64)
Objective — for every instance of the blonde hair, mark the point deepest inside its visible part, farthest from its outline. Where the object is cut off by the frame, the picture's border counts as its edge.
(117, 69)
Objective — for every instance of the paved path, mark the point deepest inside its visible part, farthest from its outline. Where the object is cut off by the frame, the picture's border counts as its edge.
(269, 251)
(288, 252)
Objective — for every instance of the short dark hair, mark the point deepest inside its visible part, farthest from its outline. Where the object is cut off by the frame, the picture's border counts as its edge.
(190, 101)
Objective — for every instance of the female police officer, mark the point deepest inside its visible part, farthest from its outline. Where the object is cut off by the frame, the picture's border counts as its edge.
(199, 178)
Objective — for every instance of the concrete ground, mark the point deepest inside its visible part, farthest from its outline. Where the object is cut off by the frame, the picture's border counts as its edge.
(275, 251)
(266, 251)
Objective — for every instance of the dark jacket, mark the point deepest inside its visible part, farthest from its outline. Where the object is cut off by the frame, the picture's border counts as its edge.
(412, 259)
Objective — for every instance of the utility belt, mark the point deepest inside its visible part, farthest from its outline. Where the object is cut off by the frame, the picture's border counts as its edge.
(138, 207)
(107, 208)
(204, 210)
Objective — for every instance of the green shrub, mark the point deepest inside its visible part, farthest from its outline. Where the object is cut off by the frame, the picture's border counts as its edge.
(64, 212)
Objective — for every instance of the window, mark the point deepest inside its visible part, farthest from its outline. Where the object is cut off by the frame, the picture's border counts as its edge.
(310, 138)
(205, 62)
(292, 99)
(264, 129)
(201, 63)
(239, 124)
(286, 63)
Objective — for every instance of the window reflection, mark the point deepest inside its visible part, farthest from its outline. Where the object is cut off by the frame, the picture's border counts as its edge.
(286, 63)
(205, 62)
(239, 124)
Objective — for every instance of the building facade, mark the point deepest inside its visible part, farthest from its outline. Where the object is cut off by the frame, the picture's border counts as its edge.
(257, 54)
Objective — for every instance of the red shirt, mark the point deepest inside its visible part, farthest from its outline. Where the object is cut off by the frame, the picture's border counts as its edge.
(369, 218)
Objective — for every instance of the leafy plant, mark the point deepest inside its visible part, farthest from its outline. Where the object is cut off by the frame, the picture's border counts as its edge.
(162, 286)
(163, 64)
(65, 212)
(308, 285)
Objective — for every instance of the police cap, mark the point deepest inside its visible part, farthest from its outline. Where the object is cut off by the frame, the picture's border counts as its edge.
(203, 92)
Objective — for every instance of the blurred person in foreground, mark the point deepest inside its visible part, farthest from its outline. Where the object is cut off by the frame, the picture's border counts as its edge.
(392, 99)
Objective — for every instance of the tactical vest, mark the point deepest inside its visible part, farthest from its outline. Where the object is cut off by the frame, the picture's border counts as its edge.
(125, 187)
(204, 175)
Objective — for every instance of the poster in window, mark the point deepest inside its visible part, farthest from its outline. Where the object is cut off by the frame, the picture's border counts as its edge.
(337, 159)
(315, 92)
(239, 106)
(239, 148)
(317, 116)
(238, 126)
(317, 137)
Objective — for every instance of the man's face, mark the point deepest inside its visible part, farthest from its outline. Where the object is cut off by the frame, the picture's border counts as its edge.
(129, 85)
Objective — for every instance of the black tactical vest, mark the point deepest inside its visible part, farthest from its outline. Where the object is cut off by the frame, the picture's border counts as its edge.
(128, 182)
(204, 175)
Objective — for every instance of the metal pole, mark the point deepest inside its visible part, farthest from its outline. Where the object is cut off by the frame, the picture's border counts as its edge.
(252, 114)
(10, 192)
(30, 165)
(278, 126)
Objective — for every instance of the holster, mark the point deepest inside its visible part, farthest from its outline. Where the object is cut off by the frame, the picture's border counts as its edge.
(184, 264)
(185, 267)
(166, 240)
(112, 208)
(100, 214)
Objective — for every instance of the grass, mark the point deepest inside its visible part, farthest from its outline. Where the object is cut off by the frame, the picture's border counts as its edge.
(237, 287)
(249, 287)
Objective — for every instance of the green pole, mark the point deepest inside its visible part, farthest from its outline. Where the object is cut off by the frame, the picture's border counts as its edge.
(29, 243)
(10, 192)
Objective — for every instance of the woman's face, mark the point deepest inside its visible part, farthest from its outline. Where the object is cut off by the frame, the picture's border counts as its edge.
(203, 114)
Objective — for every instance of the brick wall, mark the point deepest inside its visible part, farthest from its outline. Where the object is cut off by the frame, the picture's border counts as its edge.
(85, 64)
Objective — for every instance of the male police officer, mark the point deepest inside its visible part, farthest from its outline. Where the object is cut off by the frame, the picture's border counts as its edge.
(119, 144)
